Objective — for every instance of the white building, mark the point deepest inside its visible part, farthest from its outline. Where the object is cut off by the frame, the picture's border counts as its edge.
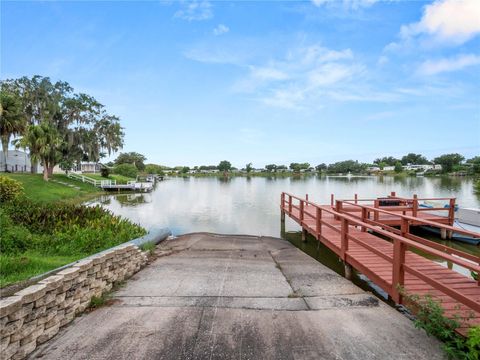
(18, 161)
(88, 167)
(423, 167)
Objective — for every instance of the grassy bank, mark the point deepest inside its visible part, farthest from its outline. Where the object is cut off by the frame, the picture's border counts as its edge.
(59, 188)
(41, 229)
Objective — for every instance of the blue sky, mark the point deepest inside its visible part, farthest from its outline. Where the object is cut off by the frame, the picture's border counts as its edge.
(196, 82)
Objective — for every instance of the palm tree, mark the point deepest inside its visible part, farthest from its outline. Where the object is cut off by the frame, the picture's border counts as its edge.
(12, 121)
(43, 142)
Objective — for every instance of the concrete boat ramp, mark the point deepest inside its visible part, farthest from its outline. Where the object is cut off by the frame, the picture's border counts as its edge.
(239, 297)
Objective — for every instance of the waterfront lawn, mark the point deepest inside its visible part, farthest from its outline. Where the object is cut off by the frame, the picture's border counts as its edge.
(14, 268)
(36, 237)
(41, 230)
(37, 189)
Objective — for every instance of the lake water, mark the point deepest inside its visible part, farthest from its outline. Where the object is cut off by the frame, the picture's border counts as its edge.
(242, 205)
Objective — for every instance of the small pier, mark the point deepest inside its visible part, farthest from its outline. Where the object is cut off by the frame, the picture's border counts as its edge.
(111, 185)
(375, 239)
(130, 186)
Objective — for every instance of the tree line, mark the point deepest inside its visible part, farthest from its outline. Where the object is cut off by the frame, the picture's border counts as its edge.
(55, 124)
(448, 162)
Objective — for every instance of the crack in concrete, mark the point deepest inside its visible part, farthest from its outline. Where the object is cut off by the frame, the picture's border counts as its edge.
(279, 267)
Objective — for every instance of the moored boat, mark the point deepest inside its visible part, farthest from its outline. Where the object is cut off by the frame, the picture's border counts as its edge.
(465, 219)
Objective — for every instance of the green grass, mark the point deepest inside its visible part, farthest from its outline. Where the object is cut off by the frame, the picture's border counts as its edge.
(149, 246)
(119, 178)
(44, 228)
(51, 191)
(20, 267)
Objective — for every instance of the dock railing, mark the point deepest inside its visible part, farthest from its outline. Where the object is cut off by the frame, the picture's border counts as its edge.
(404, 205)
(405, 225)
(89, 180)
(299, 209)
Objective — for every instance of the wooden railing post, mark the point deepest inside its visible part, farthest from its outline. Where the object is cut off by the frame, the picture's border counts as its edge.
(282, 207)
(306, 197)
(415, 205)
(289, 204)
(356, 198)
(376, 215)
(319, 223)
(398, 275)
(405, 227)
(344, 239)
(302, 204)
(364, 218)
(451, 212)
(393, 194)
(338, 206)
(332, 200)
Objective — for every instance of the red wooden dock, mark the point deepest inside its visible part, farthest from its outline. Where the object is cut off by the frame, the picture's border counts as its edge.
(394, 205)
(386, 255)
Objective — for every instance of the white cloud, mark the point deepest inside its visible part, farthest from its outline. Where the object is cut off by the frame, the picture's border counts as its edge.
(220, 29)
(195, 10)
(382, 60)
(433, 67)
(265, 73)
(446, 21)
(331, 73)
(300, 77)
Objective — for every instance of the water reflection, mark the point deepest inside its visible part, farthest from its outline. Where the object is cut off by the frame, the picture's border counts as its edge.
(242, 205)
(128, 200)
(451, 184)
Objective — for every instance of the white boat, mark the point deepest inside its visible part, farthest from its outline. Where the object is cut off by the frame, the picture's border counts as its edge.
(469, 216)
(465, 219)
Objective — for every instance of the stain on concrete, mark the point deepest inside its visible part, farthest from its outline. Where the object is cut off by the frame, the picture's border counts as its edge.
(227, 297)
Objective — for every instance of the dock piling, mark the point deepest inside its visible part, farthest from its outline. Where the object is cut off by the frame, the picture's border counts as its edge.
(304, 235)
(443, 233)
(348, 271)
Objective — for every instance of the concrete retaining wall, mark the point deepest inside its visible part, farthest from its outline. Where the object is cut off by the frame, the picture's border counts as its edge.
(35, 314)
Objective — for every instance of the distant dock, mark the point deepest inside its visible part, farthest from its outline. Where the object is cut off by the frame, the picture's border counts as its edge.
(111, 185)
(131, 186)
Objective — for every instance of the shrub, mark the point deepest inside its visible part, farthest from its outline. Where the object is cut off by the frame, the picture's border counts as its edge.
(430, 316)
(13, 239)
(154, 169)
(9, 189)
(473, 342)
(105, 172)
(65, 229)
(128, 170)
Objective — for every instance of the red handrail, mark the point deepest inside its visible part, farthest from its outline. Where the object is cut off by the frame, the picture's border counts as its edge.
(400, 246)
(418, 220)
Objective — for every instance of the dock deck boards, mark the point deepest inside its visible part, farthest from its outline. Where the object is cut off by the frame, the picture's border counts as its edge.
(379, 269)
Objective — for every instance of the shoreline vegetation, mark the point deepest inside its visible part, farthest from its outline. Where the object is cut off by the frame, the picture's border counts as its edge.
(44, 227)
(409, 165)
